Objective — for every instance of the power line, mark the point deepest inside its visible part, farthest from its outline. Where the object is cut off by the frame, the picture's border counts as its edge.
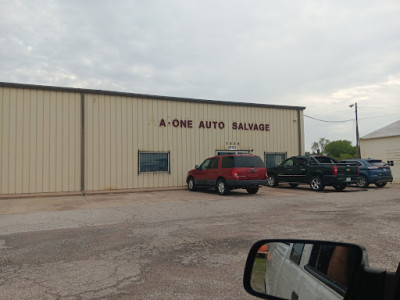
(379, 116)
(375, 107)
(350, 120)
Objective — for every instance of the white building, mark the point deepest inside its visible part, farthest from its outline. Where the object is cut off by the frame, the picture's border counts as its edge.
(384, 144)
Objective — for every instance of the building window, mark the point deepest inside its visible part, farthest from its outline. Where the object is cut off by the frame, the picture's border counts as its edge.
(154, 162)
(390, 163)
(274, 159)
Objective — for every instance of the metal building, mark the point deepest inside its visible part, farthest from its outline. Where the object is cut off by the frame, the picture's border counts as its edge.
(59, 140)
(384, 144)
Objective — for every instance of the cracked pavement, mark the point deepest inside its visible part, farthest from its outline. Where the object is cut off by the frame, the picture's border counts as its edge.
(176, 244)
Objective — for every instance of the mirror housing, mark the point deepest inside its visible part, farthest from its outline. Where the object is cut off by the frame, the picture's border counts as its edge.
(197, 167)
(303, 269)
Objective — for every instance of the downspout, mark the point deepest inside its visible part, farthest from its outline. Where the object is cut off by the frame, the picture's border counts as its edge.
(299, 131)
(83, 143)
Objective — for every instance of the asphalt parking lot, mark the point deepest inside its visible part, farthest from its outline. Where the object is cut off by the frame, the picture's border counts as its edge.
(176, 244)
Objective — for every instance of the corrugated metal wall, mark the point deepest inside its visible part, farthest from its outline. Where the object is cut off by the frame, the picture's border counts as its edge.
(41, 137)
(118, 127)
(40, 141)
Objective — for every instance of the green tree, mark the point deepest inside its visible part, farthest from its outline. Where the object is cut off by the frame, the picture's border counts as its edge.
(319, 147)
(340, 149)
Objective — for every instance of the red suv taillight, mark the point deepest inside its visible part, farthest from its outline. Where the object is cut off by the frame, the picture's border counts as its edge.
(334, 169)
(235, 173)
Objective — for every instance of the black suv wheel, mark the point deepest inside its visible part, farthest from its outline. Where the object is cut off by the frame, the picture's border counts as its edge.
(316, 183)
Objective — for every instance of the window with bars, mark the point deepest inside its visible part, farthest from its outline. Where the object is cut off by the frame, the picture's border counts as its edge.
(154, 162)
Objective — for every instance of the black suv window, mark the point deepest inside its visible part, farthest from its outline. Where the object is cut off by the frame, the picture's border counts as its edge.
(288, 163)
(300, 162)
(325, 160)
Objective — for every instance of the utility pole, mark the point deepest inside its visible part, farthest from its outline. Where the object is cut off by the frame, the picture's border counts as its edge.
(357, 134)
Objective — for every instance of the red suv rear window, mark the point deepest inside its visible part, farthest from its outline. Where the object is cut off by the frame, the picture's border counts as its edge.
(242, 162)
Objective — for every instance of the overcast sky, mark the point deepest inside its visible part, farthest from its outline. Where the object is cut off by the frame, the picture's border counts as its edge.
(324, 55)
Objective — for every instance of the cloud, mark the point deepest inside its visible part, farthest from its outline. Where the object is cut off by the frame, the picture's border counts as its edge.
(378, 106)
(322, 55)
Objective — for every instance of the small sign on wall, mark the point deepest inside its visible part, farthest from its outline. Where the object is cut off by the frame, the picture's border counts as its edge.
(232, 147)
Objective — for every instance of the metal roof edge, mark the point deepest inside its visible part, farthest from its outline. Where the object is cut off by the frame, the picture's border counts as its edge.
(391, 130)
(379, 137)
(144, 96)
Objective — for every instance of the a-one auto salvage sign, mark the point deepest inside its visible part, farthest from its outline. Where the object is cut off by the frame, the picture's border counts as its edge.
(215, 125)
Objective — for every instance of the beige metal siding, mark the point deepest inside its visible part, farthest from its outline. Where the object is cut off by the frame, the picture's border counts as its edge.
(40, 141)
(118, 127)
(41, 137)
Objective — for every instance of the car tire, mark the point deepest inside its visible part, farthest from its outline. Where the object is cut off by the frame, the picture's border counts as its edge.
(316, 183)
(272, 181)
(362, 182)
(293, 185)
(191, 185)
(253, 190)
(380, 184)
(222, 187)
(340, 187)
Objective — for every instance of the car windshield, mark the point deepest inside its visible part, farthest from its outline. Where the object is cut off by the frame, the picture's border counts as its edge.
(247, 162)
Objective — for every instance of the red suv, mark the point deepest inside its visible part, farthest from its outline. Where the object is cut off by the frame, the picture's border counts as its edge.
(228, 172)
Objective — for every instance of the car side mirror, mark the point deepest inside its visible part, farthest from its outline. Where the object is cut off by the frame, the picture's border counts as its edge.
(302, 269)
(197, 167)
